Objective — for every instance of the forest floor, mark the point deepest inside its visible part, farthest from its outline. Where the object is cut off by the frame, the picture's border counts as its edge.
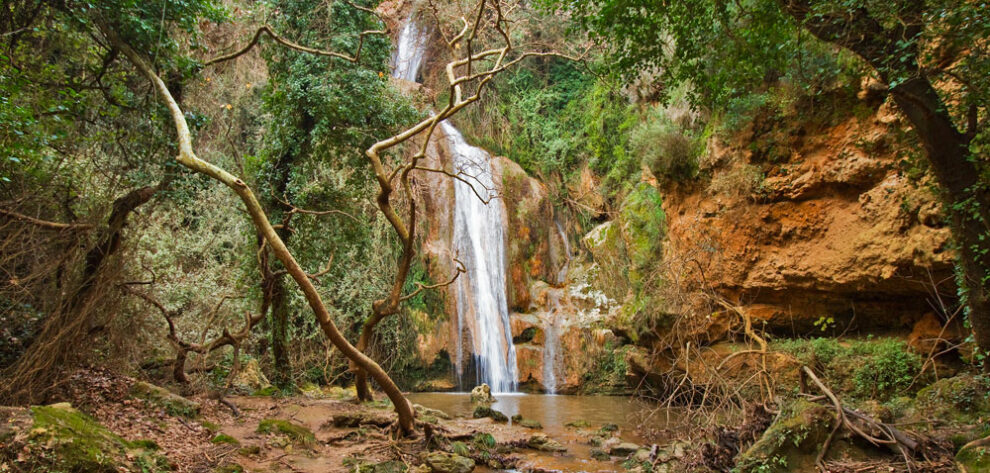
(303, 433)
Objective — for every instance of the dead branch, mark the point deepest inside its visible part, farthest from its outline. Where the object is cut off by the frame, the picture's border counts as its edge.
(267, 30)
(46, 224)
(183, 348)
(420, 287)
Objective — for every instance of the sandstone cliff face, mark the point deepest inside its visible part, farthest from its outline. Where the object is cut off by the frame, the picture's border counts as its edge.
(834, 233)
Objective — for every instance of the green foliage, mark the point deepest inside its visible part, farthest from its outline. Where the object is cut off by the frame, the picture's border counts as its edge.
(889, 367)
(555, 117)
(224, 438)
(757, 43)
(866, 369)
(669, 149)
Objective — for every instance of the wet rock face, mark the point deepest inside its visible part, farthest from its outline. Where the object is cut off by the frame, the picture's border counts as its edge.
(833, 229)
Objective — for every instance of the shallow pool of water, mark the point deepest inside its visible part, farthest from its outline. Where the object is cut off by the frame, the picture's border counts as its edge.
(555, 412)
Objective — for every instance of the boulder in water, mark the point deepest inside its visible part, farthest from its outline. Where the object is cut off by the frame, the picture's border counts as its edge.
(527, 423)
(485, 411)
(600, 455)
(482, 395)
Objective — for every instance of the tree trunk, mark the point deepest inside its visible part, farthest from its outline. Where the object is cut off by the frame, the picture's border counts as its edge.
(967, 200)
(280, 333)
(364, 392)
(280, 295)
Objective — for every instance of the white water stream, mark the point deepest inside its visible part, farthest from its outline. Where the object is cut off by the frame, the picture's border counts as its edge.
(479, 240)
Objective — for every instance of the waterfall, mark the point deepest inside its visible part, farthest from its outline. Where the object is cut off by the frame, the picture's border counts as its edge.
(552, 358)
(410, 50)
(478, 238)
(562, 274)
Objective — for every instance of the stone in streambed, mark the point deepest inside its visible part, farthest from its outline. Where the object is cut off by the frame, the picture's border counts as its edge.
(545, 444)
(485, 411)
(623, 449)
(600, 455)
(440, 462)
(527, 423)
(482, 395)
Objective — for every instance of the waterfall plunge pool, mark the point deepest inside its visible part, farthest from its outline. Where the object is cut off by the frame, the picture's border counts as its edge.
(555, 411)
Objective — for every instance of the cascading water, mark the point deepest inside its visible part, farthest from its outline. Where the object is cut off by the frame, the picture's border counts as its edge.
(409, 51)
(479, 240)
(480, 243)
(552, 358)
(562, 274)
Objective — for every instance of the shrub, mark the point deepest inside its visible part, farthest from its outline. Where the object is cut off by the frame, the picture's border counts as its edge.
(888, 367)
(740, 180)
(668, 149)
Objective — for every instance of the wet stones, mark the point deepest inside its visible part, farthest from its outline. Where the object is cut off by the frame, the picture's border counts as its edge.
(486, 411)
(545, 444)
(482, 395)
(527, 423)
(441, 462)
(600, 455)
(623, 449)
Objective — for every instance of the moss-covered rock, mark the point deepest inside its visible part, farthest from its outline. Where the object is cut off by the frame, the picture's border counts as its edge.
(600, 455)
(623, 449)
(296, 433)
(441, 462)
(485, 411)
(961, 399)
(791, 443)
(60, 439)
(424, 411)
(390, 466)
(546, 444)
(482, 395)
(172, 403)
(527, 423)
(642, 224)
(250, 379)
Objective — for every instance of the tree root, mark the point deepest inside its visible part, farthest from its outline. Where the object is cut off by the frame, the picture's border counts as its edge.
(889, 436)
